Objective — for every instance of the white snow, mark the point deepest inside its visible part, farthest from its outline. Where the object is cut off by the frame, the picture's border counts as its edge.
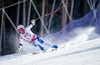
(84, 53)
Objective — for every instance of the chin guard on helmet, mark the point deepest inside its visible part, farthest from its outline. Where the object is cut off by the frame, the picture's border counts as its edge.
(20, 26)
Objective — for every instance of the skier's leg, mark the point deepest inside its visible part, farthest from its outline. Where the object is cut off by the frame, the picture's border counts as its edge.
(51, 45)
(40, 45)
(33, 43)
(40, 40)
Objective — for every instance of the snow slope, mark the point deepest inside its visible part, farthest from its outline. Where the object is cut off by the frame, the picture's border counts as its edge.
(85, 53)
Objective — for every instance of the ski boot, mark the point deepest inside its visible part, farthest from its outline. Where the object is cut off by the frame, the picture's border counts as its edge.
(54, 47)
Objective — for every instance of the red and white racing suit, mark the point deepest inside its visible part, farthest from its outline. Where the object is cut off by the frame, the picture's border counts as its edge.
(32, 38)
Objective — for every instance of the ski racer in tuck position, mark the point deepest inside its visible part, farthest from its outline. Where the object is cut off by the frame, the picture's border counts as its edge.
(33, 39)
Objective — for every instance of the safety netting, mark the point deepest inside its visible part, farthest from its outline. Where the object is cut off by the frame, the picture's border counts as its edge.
(85, 28)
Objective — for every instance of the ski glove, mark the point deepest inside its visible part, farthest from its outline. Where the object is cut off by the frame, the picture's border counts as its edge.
(19, 49)
(33, 22)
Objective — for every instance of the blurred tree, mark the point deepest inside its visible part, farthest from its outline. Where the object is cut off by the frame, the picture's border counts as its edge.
(64, 15)
(82, 7)
(43, 12)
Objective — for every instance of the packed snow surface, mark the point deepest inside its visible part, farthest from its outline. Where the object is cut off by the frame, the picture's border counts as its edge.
(84, 53)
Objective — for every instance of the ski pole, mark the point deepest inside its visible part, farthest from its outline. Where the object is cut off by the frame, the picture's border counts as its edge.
(49, 13)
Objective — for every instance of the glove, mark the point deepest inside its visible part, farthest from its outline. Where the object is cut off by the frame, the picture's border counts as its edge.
(33, 22)
(19, 49)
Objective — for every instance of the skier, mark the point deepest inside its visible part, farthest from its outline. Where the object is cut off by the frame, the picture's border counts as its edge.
(33, 39)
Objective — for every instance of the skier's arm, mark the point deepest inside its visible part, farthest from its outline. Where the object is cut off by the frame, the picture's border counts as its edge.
(20, 45)
(31, 25)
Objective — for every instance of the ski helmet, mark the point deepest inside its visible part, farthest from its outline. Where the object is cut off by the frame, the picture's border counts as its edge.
(20, 26)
